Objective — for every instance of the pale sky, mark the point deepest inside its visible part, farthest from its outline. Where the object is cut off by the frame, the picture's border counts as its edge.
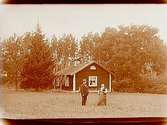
(79, 19)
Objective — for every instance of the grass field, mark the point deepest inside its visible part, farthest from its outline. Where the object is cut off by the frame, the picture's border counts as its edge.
(64, 105)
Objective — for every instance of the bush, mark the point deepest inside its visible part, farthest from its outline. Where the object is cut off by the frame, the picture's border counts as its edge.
(25, 85)
(125, 85)
(158, 86)
(28, 85)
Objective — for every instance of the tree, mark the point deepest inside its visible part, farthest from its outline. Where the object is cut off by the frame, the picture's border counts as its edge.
(12, 60)
(88, 43)
(38, 64)
(65, 51)
(1, 62)
(126, 49)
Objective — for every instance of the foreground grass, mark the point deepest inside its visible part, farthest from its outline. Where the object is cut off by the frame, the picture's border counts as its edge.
(59, 105)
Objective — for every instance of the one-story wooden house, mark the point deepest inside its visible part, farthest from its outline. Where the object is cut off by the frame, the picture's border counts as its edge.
(94, 73)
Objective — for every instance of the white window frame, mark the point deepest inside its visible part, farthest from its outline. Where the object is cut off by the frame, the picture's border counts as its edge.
(57, 82)
(67, 81)
(95, 78)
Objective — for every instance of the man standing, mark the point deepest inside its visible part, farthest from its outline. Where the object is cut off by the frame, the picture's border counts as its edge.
(84, 89)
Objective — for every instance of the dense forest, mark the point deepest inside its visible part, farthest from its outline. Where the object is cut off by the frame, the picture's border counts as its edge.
(135, 54)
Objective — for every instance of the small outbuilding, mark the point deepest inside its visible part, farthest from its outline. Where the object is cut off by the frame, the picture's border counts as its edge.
(94, 73)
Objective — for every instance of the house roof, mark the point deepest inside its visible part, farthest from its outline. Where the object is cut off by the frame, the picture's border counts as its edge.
(75, 69)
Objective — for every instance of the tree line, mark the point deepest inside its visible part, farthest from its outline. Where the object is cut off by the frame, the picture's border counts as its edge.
(132, 52)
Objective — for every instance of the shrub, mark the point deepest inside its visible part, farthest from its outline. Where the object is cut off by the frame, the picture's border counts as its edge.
(158, 86)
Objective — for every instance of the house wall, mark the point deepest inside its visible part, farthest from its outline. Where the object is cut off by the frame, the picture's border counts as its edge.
(102, 76)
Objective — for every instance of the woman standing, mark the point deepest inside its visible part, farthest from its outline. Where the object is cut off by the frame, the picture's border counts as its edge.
(102, 95)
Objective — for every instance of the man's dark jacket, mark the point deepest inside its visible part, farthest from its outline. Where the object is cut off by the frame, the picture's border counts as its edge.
(84, 89)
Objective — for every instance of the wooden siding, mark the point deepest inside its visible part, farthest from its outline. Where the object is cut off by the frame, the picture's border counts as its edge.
(102, 76)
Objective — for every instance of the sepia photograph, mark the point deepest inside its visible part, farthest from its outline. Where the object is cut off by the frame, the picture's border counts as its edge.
(83, 61)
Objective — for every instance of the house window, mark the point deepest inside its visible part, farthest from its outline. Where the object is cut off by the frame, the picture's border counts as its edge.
(92, 81)
(57, 82)
(93, 67)
(67, 82)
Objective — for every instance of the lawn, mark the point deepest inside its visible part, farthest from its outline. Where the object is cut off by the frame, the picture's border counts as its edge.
(66, 105)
